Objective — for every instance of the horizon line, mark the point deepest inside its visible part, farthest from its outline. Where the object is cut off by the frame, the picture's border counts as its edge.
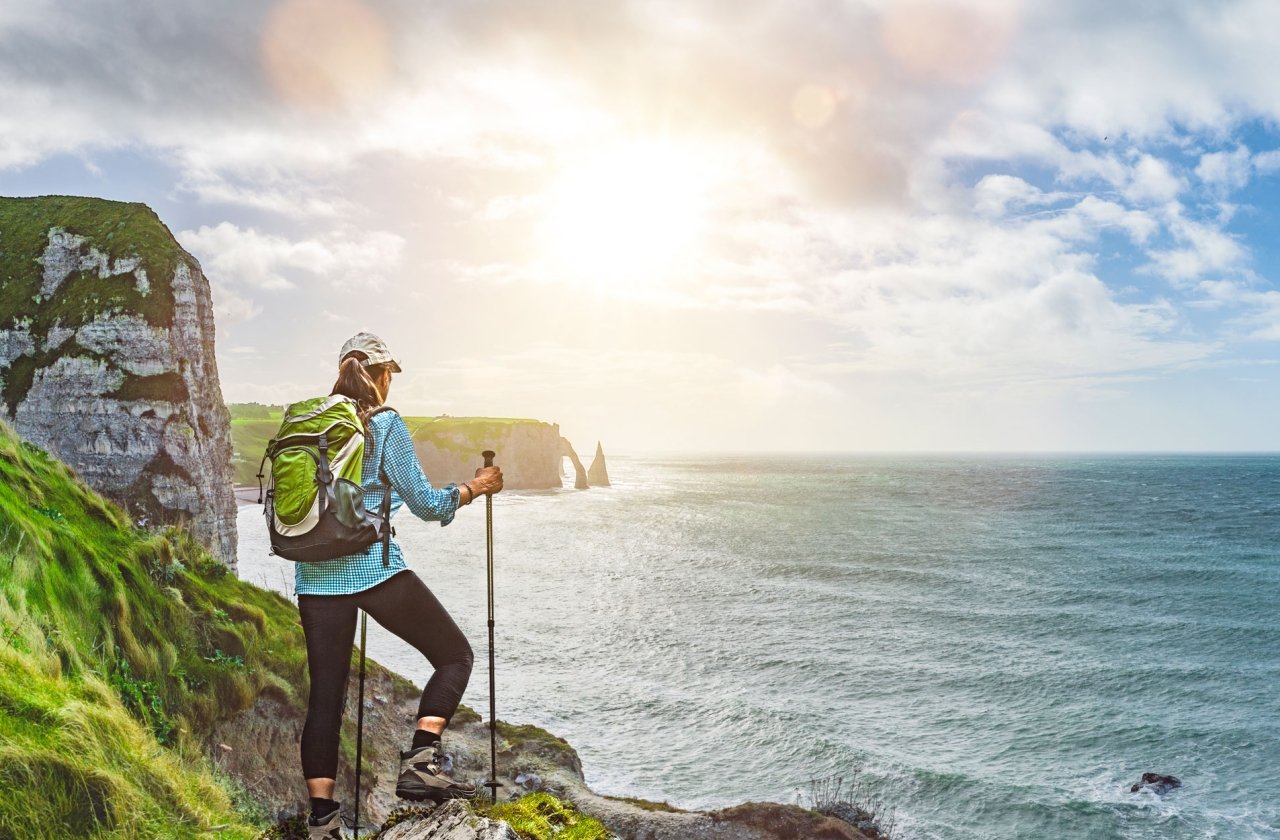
(945, 452)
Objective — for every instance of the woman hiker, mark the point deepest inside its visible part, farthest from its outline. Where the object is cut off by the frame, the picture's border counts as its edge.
(330, 593)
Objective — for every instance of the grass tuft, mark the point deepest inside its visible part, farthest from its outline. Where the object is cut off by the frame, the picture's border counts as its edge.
(541, 816)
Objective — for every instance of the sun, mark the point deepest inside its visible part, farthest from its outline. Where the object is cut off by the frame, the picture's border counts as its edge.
(627, 216)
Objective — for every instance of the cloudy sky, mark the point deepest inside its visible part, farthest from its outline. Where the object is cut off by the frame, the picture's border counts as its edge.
(790, 225)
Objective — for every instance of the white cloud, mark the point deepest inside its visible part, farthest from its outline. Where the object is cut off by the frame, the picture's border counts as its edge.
(1226, 170)
(229, 305)
(1267, 162)
(1138, 224)
(1205, 249)
(1258, 309)
(994, 195)
(947, 197)
(249, 258)
(1152, 181)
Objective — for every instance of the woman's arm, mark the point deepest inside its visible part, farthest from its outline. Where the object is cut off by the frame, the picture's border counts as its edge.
(400, 461)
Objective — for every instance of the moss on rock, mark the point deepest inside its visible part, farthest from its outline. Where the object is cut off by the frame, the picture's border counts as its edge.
(541, 816)
(121, 230)
(116, 230)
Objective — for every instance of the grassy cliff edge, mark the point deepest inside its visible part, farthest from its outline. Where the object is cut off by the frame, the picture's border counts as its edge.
(117, 641)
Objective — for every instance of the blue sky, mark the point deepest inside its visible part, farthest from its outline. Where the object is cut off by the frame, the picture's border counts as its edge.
(866, 226)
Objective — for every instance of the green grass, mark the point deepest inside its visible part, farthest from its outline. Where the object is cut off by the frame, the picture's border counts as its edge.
(541, 816)
(118, 650)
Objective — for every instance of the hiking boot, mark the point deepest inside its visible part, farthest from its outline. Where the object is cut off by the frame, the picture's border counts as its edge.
(422, 778)
(329, 828)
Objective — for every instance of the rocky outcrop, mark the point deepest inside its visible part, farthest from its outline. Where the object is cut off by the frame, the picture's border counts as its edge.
(527, 450)
(1157, 783)
(260, 748)
(453, 820)
(579, 474)
(598, 474)
(107, 359)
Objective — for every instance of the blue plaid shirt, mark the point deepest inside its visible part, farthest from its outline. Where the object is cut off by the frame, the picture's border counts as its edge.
(409, 485)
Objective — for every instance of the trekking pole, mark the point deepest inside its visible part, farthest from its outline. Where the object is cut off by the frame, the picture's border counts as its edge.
(364, 625)
(493, 784)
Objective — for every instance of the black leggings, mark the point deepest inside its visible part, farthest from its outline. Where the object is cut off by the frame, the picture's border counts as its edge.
(404, 605)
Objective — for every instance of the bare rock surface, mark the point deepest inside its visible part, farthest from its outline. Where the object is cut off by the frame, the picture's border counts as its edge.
(451, 821)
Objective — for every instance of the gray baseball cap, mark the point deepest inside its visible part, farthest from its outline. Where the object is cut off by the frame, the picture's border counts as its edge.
(374, 349)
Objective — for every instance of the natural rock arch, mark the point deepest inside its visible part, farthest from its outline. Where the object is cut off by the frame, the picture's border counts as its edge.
(580, 472)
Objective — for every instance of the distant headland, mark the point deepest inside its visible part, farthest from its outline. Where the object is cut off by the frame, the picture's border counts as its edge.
(530, 452)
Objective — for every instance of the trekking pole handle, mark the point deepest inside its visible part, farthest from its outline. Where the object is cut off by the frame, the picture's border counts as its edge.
(488, 457)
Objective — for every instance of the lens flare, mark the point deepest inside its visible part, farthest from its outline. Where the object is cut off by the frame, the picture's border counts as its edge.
(813, 105)
(945, 43)
(325, 54)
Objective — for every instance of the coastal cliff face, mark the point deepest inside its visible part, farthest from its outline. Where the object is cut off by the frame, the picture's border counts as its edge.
(527, 450)
(107, 359)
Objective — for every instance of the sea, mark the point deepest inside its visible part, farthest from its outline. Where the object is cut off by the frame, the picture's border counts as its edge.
(979, 647)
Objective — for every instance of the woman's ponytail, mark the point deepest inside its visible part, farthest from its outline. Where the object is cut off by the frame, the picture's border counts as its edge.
(360, 383)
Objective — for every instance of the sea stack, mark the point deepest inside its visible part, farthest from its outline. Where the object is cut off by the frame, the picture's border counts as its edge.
(598, 474)
(107, 360)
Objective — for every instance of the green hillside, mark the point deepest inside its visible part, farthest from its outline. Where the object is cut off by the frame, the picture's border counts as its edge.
(118, 643)
(252, 425)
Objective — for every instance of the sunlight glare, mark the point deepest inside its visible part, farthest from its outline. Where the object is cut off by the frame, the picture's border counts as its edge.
(627, 216)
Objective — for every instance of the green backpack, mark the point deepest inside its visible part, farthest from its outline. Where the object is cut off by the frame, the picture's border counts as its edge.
(314, 501)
